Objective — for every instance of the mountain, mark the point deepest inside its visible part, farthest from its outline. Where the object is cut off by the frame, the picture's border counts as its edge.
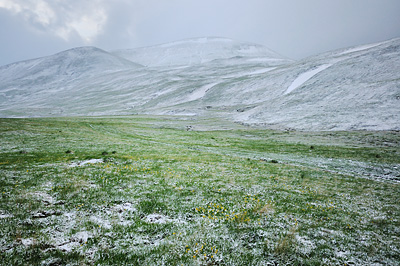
(37, 85)
(198, 51)
(348, 89)
(73, 62)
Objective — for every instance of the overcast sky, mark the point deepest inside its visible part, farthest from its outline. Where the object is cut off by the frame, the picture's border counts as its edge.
(294, 28)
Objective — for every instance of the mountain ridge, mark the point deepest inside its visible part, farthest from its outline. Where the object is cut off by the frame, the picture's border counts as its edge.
(354, 88)
(196, 51)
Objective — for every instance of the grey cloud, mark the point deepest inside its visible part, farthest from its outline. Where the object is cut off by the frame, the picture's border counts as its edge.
(291, 27)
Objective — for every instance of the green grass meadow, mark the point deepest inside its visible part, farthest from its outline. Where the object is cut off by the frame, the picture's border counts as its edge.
(145, 190)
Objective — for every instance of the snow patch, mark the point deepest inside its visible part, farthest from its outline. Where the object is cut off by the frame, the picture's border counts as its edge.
(302, 78)
(250, 73)
(305, 245)
(360, 48)
(342, 254)
(127, 206)
(68, 247)
(265, 59)
(27, 242)
(82, 163)
(199, 93)
(81, 237)
(260, 71)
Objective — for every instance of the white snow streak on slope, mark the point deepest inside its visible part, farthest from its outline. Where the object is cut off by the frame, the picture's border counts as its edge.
(255, 72)
(199, 93)
(302, 78)
(259, 71)
(360, 48)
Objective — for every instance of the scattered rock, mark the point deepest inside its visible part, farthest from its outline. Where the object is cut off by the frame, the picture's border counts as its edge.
(39, 215)
(44, 214)
(120, 208)
(27, 242)
(69, 246)
(156, 219)
(27, 222)
(60, 202)
(269, 161)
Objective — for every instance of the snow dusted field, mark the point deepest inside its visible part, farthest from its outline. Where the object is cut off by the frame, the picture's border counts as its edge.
(205, 151)
(142, 190)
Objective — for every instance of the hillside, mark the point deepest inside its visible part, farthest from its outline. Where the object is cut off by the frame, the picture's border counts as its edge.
(349, 89)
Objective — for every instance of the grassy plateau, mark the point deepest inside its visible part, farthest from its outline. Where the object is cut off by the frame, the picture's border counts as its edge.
(147, 190)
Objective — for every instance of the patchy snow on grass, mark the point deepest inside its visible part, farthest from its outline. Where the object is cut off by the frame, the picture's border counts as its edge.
(162, 219)
(100, 221)
(127, 206)
(157, 219)
(42, 196)
(295, 211)
(305, 246)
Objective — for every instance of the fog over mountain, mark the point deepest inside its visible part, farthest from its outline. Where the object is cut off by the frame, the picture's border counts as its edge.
(355, 88)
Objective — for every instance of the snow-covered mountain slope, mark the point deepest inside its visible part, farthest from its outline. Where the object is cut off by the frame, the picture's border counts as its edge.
(356, 88)
(198, 51)
(73, 62)
(348, 89)
(28, 87)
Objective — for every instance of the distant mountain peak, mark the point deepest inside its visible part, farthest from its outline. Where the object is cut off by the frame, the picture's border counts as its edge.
(196, 51)
(83, 50)
(79, 61)
(198, 40)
